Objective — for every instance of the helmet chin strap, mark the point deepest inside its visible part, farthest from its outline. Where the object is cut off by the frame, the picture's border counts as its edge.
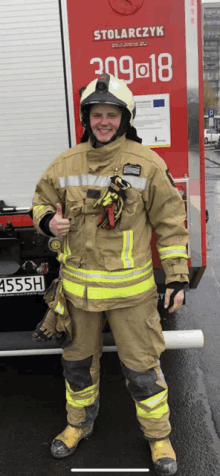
(123, 128)
(114, 137)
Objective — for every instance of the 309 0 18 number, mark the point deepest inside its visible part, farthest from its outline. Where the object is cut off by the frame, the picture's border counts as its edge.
(157, 67)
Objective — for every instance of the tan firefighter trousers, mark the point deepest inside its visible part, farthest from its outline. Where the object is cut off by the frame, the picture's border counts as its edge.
(139, 340)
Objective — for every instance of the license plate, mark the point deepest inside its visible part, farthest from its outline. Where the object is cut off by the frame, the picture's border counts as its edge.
(22, 285)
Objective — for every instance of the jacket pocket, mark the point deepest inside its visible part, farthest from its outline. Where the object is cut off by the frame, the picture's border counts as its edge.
(113, 263)
(75, 213)
(132, 208)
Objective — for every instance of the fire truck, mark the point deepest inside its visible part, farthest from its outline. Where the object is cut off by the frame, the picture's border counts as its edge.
(50, 51)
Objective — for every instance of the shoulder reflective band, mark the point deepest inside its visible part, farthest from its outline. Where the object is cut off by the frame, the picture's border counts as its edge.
(126, 255)
(173, 252)
(108, 277)
(82, 399)
(99, 181)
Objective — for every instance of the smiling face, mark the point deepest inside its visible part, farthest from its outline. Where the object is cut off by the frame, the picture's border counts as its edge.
(104, 121)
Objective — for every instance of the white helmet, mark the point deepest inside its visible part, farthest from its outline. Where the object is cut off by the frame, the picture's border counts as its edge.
(108, 90)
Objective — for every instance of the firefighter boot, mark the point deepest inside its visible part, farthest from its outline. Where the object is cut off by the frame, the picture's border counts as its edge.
(163, 457)
(66, 442)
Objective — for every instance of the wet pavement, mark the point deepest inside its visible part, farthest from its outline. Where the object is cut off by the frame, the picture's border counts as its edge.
(33, 396)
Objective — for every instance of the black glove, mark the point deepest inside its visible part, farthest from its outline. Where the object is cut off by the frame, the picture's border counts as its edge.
(46, 331)
(176, 286)
(46, 328)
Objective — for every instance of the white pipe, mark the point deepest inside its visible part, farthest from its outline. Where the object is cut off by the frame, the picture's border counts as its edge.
(173, 340)
(183, 339)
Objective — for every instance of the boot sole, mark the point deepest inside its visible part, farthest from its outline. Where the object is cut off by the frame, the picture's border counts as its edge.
(70, 450)
(165, 472)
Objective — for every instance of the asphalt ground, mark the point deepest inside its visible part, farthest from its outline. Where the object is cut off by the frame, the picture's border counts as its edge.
(32, 398)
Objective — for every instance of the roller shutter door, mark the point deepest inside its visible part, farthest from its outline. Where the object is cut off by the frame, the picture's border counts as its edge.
(33, 114)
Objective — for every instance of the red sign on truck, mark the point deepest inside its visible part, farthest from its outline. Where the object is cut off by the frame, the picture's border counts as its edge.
(155, 48)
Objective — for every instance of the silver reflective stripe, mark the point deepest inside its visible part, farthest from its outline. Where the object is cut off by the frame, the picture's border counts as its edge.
(82, 180)
(136, 182)
(110, 276)
(127, 249)
(99, 181)
(169, 252)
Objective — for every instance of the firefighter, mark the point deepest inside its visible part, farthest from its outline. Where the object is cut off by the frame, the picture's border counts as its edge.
(102, 199)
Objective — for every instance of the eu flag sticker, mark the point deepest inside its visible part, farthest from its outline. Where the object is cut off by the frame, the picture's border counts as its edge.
(159, 103)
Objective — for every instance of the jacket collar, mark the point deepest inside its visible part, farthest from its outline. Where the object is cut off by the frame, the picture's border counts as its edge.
(106, 155)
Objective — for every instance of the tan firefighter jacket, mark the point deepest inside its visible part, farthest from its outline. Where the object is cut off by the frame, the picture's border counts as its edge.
(105, 269)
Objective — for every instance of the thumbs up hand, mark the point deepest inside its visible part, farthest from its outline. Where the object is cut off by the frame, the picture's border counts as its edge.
(58, 225)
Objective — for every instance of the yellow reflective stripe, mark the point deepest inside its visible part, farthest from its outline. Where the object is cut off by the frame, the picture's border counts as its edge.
(60, 257)
(158, 413)
(167, 248)
(73, 288)
(173, 252)
(126, 255)
(59, 308)
(66, 247)
(111, 293)
(153, 401)
(83, 398)
(37, 208)
(112, 275)
(130, 257)
(108, 279)
(174, 255)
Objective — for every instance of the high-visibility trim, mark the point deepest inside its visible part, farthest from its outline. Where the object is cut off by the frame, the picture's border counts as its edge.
(83, 398)
(157, 413)
(115, 293)
(108, 279)
(126, 255)
(67, 251)
(153, 401)
(73, 288)
(99, 181)
(37, 208)
(59, 308)
(105, 276)
(60, 257)
(84, 180)
(173, 252)
(135, 182)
